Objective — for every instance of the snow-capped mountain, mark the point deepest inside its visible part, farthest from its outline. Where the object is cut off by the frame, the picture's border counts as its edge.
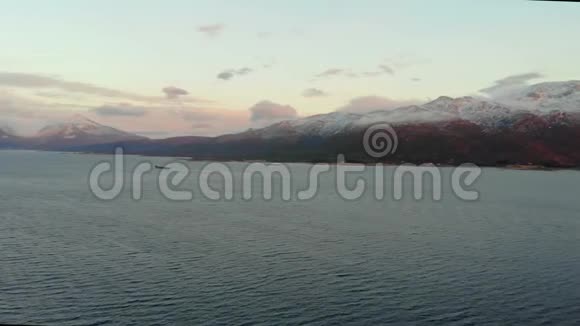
(542, 128)
(545, 97)
(79, 126)
(485, 113)
(79, 131)
(539, 100)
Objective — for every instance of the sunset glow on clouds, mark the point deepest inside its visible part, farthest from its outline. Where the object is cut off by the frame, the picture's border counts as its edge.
(212, 67)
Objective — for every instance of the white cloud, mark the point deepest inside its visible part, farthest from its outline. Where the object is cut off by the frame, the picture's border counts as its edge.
(313, 92)
(211, 30)
(231, 73)
(41, 82)
(510, 84)
(270, 111)
(172, 92)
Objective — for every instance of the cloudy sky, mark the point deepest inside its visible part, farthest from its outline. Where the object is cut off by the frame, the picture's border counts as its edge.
(174, 67)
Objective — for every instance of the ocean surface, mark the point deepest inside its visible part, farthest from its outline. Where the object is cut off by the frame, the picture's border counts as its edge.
(67, 258)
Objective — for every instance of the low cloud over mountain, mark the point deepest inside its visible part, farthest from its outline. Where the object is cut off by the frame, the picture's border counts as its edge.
(505, 86)
(269, 111)
(120, 109)
(373, 103)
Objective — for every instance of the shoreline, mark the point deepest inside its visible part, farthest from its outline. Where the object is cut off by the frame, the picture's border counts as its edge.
(516, 167)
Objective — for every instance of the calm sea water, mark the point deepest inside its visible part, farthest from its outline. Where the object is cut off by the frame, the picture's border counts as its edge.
(66, 258)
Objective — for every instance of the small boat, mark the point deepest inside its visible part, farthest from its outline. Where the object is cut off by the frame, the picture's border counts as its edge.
(160, 167)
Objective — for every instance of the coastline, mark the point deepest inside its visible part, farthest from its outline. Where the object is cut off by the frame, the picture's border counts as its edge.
(516, 167)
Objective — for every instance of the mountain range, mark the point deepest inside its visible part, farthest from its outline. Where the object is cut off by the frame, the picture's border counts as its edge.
(536, 125)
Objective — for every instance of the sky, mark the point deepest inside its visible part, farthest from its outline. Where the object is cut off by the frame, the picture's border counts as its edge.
(187, 67)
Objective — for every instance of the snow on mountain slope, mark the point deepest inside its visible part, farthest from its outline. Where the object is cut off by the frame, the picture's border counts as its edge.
(80, 126)
(325, 124)
(545, 97)
(322, 124)
(486, 114)
(337, 122)
(407, 114)
(538, 100)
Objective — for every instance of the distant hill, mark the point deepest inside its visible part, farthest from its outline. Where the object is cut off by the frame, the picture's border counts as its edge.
(78, 131)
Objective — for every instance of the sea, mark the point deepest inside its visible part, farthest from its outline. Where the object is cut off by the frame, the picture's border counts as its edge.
(67, 257)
